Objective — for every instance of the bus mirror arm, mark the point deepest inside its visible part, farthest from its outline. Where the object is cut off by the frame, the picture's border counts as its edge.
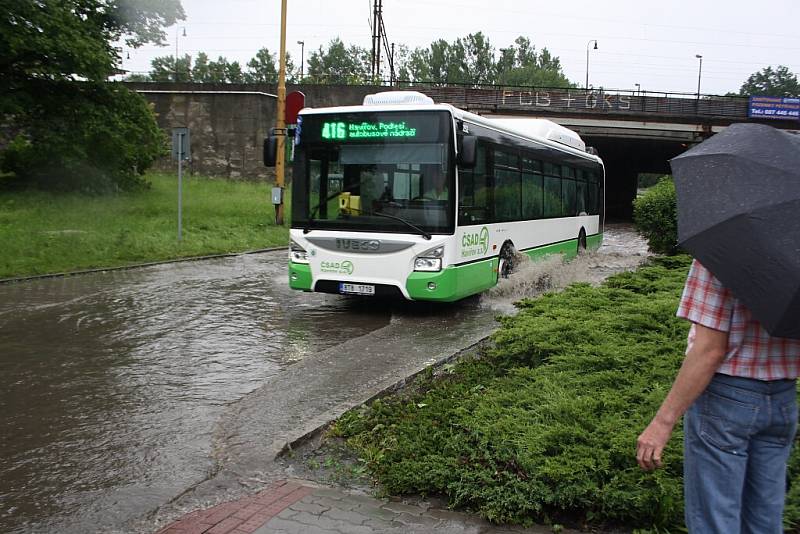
(467, 151)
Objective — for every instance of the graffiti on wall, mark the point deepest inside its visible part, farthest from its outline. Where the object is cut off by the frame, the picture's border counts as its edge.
(584, 100)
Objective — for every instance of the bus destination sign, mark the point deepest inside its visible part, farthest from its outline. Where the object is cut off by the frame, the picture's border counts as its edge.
(366, 130)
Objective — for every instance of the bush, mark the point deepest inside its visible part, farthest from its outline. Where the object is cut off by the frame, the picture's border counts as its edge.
(656, 217)
(544, 426)
(90, 137)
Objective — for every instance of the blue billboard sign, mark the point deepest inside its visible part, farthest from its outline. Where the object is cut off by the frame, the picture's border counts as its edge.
(774, 107)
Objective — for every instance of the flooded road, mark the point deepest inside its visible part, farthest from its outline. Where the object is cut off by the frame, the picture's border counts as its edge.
(112, 382)
(115, 383)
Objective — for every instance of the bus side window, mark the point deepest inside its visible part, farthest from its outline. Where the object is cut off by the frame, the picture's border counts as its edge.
(552, 190)
(473, 191)
(593, 186)
(583, 193)
(506, 186)
(531, 189)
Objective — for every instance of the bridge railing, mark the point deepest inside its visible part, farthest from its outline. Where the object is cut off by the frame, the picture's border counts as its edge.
(518, 100)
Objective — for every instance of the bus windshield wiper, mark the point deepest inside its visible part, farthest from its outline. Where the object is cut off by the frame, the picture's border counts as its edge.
(307, 227)
(411, 225)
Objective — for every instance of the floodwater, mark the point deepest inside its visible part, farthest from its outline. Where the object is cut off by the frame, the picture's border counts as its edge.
(113, 383)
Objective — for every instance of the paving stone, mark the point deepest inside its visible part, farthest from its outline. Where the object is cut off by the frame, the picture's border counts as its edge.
(341, 504)
(449, 515)
(375, 511)
(288, 527)
(363, 499)
(417, 520)
(338, 514)
(310, 507)
(400, 507)
(287, 513)
(329, 493)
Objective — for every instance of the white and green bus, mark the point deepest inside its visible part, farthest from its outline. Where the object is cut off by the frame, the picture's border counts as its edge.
(406, 198)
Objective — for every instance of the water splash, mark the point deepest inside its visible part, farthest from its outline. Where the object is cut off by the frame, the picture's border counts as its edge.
(623, 250)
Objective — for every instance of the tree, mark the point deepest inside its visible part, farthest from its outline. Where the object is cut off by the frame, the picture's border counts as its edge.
(520, 64)
(771, 82)
(200, 71)
(339, 64)
(262, 68)
(472, 60)
(233, 72)
(58, 111)
(163, 69)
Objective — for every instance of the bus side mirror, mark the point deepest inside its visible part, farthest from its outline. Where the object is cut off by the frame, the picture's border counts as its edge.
(467, 151)
(270, 150)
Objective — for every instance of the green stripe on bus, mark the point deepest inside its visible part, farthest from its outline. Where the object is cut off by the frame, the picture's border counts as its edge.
(300, 276)
(593, 242)
(453, 283)
(568, 248)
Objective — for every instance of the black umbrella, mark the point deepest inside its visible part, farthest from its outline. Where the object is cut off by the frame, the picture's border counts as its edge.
(739, 215)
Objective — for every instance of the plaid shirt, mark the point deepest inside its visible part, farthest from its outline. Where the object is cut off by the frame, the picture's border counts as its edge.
(752, 352)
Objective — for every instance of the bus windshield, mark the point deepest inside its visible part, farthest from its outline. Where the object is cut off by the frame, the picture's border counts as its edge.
(377, 172)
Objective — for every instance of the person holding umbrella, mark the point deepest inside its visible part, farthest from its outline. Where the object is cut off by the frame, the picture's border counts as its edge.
(739, 216)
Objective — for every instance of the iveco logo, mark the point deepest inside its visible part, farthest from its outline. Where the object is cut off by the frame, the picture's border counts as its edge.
(358, 244)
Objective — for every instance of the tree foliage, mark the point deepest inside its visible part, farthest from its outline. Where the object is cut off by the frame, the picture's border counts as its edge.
(92, 136)
(57, 108)
(262, 68)
(339, 64)
(470, 60)
(771, 82)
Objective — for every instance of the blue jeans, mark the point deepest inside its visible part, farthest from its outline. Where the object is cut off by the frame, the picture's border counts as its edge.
(737, 438)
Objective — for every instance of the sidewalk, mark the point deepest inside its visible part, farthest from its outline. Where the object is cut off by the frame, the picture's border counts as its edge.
(300, 507)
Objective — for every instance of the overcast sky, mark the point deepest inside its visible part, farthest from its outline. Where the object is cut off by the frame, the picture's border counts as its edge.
(650, 43)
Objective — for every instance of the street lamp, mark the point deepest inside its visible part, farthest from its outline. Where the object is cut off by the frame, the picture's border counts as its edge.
(699, 73)
(302, 57)
(176, 50)
(638, 89)
(586, 85)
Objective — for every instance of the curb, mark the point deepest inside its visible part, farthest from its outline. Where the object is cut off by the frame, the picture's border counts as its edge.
(136, 265)
(315, 428)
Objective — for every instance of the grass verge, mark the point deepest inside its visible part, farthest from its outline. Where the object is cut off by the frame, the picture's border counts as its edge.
(46, 232)
(542, 427)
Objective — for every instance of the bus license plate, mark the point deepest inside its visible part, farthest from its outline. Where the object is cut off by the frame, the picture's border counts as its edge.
(357, 289)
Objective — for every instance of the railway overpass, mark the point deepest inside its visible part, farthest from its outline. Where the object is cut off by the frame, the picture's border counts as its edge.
(634, 132)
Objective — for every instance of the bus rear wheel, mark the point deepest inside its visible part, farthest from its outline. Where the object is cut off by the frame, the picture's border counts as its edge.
(506, 263)
(581, 242)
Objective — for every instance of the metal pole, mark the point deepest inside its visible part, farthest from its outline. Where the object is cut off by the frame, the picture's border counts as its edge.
(176, 58)
(180, 187)
(586, 85)
(280, 129)
(302, 57)
(699, 73)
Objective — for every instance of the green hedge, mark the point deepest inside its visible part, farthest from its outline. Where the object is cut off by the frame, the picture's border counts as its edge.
(543, 427)
(656, 217)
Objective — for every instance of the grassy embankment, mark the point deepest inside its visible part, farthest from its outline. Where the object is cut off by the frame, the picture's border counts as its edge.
(47, 233)
(542, 427)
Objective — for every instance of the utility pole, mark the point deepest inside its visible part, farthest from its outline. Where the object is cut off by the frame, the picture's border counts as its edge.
(280, 126)
(377, 38)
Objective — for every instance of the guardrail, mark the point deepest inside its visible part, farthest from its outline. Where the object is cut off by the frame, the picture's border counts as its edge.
(519, 100)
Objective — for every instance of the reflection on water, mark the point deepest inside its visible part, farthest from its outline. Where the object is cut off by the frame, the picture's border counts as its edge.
(112, 382)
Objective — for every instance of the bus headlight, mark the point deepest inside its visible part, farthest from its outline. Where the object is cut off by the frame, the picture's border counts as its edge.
(297, 254)
(430, 260)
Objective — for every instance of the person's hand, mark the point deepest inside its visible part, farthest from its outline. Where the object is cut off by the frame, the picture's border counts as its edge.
(651, 444)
